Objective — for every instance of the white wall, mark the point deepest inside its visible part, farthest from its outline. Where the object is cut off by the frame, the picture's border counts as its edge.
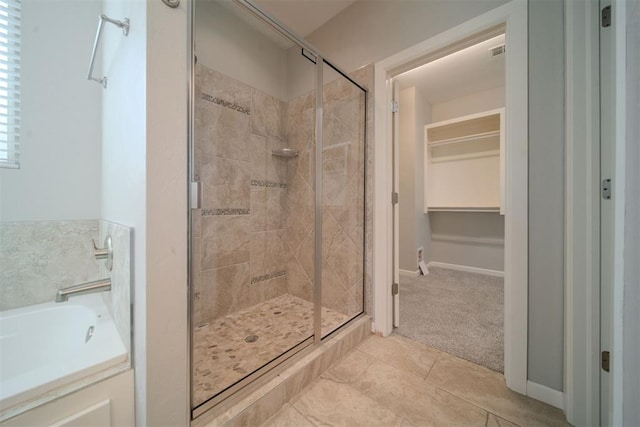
(231, 46)
(167, 337)
(473, 103)
(124, 158)
(368, 31)
(145, 181)
(59, 176)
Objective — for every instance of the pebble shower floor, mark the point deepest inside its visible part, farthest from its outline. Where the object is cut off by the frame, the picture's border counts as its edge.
(233, 346)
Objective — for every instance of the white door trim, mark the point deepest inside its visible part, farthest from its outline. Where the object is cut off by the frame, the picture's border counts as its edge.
(582, 214)
(514, 15)
(619, 198)
(582, 243)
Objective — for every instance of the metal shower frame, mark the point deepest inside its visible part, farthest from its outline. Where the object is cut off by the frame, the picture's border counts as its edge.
(194, 198)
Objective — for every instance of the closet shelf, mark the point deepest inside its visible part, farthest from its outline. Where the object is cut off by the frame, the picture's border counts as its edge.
(463, 209)
(466, 138)
(467, 173)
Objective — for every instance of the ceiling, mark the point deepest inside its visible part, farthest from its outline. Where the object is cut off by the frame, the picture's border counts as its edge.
(462, 73)
(303, 16)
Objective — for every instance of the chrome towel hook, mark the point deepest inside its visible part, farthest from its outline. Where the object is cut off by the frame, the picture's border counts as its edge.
(124, 24)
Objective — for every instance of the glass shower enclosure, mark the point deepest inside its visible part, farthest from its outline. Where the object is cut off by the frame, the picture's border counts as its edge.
(278, 171)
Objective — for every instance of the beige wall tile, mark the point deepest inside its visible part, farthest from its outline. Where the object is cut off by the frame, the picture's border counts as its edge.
(275, 208)
(226, 183)
(221, 131)
(220, 86)
(258, 157)
(258, 204)
(347, 262)
(224, 290)
(225, 240)
(266, 115)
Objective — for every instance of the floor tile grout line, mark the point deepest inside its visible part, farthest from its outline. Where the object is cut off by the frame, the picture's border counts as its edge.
(489, 411)
(302, 414)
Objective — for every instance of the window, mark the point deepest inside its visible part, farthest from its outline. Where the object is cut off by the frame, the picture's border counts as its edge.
(10, 83)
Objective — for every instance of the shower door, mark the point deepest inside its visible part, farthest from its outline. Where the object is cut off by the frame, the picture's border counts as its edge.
(343, 180)
(262, 286)
(252, 237)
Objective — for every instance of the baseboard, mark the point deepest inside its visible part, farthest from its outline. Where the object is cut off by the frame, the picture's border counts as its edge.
(545, 394)
(469, 269)
(409, 273)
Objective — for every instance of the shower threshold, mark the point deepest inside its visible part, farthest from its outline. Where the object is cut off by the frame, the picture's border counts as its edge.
(232, 347)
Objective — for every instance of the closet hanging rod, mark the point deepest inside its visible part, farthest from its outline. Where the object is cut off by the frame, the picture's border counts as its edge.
(124, 24)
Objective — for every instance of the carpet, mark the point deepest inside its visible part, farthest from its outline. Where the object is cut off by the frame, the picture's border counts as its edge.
(457, 312)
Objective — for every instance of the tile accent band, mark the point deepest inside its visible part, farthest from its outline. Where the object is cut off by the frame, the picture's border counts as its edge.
(228, 211)
(226, 104)
(269, 184)
(269, 276)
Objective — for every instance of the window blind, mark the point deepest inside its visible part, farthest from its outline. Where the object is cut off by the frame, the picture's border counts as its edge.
(10, 11)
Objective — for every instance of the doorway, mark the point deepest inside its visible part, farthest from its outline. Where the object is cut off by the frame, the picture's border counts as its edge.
(451, 209)
(509, 19)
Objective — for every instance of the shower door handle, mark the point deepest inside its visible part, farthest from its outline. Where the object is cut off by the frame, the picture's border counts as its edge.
(194, 195)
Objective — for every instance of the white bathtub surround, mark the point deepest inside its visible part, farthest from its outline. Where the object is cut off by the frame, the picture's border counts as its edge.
(39, 257)
(119, 299)
(51, 345)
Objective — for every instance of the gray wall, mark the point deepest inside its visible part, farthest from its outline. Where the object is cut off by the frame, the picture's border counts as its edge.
(631, 319)
(546, 192)
(407, 186)
(473, 239)
(414, 224)
(369, 31)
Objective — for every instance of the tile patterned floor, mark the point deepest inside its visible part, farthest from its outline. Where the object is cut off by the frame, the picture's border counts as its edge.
(398, 382)
(223, 356)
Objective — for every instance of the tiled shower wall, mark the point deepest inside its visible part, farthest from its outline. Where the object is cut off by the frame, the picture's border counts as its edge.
(343, 197)
(238, 250)
(253, 238)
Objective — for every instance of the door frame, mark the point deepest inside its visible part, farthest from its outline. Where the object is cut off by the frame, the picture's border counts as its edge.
(514, 16)
(582, 210)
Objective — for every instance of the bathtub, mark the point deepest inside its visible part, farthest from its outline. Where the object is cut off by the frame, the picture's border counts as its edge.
(50, 345)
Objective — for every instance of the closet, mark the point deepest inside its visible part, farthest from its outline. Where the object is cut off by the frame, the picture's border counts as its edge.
(464, 164)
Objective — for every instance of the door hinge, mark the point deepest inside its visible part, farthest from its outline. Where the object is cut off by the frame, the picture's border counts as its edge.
(394, 289)
(605, 361)
(394, 198)
(309, 55)
(395, 107)
(605, 188)
(606, 17)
